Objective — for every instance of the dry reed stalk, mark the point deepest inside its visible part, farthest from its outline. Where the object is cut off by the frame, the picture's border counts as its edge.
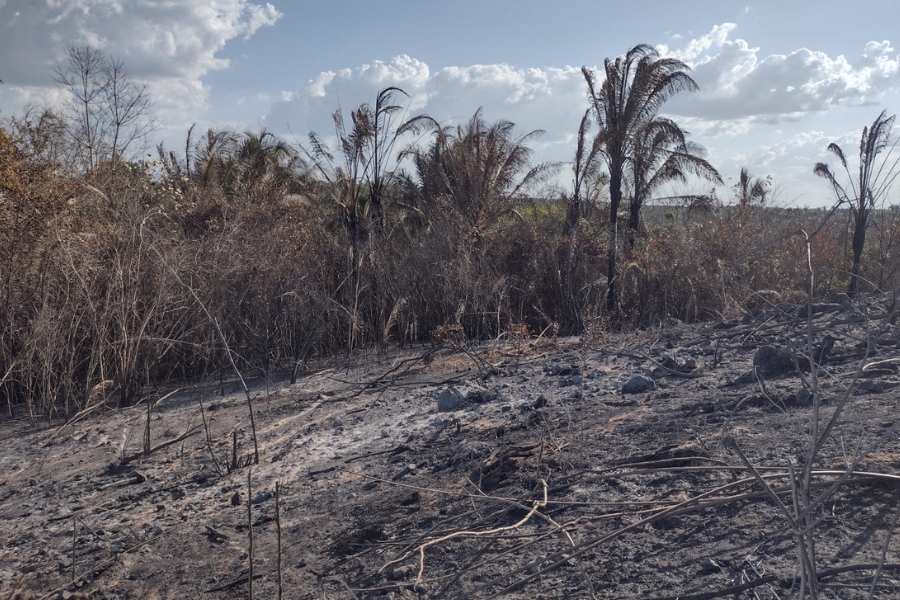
(250, 534)
(278, 531)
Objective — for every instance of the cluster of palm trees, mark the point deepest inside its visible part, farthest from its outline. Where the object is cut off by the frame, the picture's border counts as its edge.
(480, 170)
(642, 150)
(250, 164)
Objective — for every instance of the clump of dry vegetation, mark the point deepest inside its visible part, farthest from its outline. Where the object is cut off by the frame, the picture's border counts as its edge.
(118, 274)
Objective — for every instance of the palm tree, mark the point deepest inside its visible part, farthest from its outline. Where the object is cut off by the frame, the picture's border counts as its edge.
(259, 159)
(482, 169)
(586, 171)
(588, 181)
(635, 88)
(381, 139)
(874, 180)
(342, 181)
(359, 183)
(249, 163)
(426, 188)
(662, 155)
(751, 190)
(209, 156)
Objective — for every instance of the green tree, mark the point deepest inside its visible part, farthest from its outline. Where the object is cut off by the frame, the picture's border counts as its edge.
(635, 88)
(863, 193)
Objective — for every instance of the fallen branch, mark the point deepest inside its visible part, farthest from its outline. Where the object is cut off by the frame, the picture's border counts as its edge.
(231, 584)
(562, 558)
(193, 431)
(421, 549)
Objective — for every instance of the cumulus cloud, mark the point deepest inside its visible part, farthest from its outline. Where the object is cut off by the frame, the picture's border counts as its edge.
(172, 44)
(792, 151)
(311, 107)
(738, 83)
(768, 111)
(552, 99)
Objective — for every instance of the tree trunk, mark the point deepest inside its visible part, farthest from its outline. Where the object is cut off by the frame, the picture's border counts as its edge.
(573, 214)
(634, 222)
(859, 242)
(615, 198)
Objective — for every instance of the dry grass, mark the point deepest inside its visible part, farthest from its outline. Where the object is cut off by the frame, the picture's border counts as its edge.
(93, 312)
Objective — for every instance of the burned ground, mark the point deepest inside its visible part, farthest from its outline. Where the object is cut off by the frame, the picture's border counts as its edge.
(539, 479)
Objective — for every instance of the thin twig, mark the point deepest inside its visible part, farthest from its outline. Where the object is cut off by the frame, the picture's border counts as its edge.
(208, 439)
(884, 549)
(250, 533)
(278, 531)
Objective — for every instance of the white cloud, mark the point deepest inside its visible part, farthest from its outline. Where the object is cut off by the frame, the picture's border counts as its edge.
(310, 108)
(170, 44)
(792, 151)
(694, 49)
(737, 82)
(711, 128)
(552, 99)
(260, 16)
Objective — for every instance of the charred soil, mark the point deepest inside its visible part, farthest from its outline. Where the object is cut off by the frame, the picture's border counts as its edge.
(538, 478)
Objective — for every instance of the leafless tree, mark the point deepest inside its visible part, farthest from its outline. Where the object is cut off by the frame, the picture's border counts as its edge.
(128, 109)
(108, 111)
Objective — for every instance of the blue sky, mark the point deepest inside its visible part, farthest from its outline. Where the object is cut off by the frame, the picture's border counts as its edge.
(779, 80)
